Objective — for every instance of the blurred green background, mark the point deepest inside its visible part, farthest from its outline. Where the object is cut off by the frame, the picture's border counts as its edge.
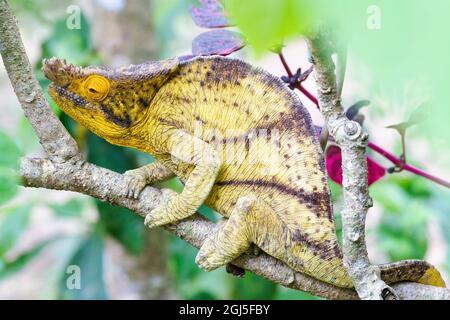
(42, 232)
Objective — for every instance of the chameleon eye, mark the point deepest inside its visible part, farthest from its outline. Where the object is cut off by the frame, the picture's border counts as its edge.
(97, 87)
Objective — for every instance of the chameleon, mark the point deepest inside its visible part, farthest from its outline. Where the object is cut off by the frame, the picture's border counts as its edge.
(239, 140)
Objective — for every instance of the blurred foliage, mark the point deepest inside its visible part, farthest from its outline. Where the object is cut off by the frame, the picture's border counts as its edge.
(166, 15)
(402, 231)
(402, 47)
(266, 23)
(8, 166)
(408, 204)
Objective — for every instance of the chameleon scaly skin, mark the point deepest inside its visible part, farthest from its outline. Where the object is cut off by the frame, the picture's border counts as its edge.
(239, 140)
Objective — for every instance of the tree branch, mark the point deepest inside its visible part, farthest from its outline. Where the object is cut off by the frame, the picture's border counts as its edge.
(66, 170)
(353, 140)
(52, 135)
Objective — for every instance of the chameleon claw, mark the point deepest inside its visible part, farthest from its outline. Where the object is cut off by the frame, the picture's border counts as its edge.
(205, 262)
(207, 259)
(163, 214)
(135, 184)
(157, 218)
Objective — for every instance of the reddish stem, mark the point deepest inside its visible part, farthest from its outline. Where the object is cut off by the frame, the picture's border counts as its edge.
(392, 158)
(398, 162)
(285, 65)
(298, 86)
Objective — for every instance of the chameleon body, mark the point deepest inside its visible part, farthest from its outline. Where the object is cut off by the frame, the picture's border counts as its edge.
(239, 140)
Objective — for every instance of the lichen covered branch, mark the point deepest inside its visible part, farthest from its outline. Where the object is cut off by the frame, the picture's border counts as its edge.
(53, 137)
(353, 141)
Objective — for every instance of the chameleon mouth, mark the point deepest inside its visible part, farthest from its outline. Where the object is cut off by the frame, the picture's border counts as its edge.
(58, 92)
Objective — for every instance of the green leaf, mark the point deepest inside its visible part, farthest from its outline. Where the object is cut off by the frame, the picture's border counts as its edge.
(253, 287)
(71, 208)
(26, 137)
(12, 226)
(402, 230)
(88, 259)
(267, 23)
(189, 280)
(181, 261)
(8, 184)
(9, 163)
(123, 225)
(106, 155)
(9, 151)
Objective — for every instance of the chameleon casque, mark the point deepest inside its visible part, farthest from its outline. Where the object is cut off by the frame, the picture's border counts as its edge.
(239, 140)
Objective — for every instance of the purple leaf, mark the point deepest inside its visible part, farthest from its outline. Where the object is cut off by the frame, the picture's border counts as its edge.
(334, 166)
(210, 15)
(221, 42)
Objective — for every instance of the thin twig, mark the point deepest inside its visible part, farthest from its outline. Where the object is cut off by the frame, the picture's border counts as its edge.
(352, 141)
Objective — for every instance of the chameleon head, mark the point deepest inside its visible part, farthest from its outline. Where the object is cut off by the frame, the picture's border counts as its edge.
(108, 102)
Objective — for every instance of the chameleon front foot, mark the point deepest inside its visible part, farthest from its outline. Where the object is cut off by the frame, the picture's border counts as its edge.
(135, 182)
(137, 179)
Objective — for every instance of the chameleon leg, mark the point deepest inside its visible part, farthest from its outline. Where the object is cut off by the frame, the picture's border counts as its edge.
(138, 178)
(236, 235)
(188, 149)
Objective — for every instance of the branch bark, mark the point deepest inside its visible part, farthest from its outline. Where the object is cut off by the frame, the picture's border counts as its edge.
(65, 169)
(353, 141)
(53, 137)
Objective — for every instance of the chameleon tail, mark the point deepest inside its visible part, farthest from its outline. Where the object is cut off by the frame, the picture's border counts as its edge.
(402, 271)
(412, 271)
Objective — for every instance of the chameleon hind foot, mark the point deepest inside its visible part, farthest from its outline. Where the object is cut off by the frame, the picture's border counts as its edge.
(231, 240)
(166, 212)
(137, 179)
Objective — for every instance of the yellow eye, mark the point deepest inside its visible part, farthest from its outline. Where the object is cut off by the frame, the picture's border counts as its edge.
(97, 87)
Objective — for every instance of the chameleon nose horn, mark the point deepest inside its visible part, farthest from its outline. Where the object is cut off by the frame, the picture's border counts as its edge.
(59, 72)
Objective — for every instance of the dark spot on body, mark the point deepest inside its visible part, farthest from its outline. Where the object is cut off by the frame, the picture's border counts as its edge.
(247, 144)
(143, 103)
(123, 121)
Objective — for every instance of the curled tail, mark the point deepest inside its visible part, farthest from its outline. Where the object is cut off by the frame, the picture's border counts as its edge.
(403, 271)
